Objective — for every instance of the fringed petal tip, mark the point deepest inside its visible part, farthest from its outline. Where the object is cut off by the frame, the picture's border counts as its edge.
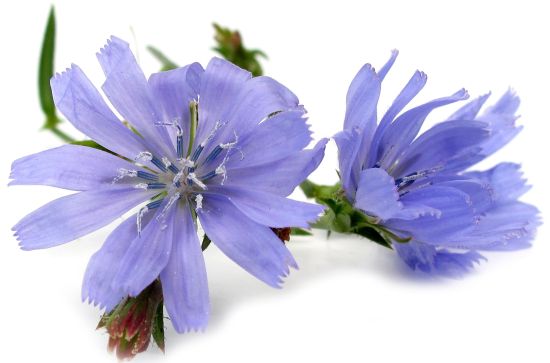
(198, 326)
(107, 55)
(429, 260)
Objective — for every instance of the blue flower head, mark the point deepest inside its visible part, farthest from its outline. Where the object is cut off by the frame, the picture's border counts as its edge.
(419, 188)
(213, 145)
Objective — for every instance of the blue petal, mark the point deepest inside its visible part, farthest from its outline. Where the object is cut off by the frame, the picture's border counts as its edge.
(377, 194)
(361, 100)
(271, 210)
(253, 246)
(184, 282)
(279, 177)
(501, 118)
(276, 138)
(148, 253)
(127, 89)
(257, 99)
(220, 87)
(444, 145)
(174, 90)
(455, 216)
(404, 129)
(506, 180)
(68, 218)
(469, 111)
(69, 167)
(411, 89)
(348, 143)
(80, 102)
(426, 258)
(505, 227)
(104, 265)
(386, 67)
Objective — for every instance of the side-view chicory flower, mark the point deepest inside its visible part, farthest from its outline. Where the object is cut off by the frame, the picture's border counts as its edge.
(417, 191)
(213, 146)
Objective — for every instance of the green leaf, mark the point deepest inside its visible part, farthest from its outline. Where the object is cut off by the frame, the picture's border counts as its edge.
(167, 64)
(45, 72)
(300, 232)
(205, 242)
(158, 327)
(90, 143)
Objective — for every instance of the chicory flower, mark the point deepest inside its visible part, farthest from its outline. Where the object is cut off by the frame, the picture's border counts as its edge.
(215, 146)
(418, 191)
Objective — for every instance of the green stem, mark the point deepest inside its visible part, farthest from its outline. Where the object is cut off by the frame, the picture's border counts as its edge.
(63, 136)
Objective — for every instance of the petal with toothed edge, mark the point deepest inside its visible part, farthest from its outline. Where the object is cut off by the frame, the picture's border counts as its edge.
(80, 102)
(386, 67)
(127, 88)
(68, 218)
(442, 146)
(149, 252)
(501, 118)
(377, 194)
(252, 246)
(404, 129)
(411, 89)
(272, 140)
(348, 143)
(279, 177)
(174, 90)
(456, 217)
(470, 110)
(361, 100)
(184, 282)
(506, 227)
(270, 209)
(429, 259)
(258, 98)
(506, 179)
(221, 84)
(70, 167)
(104, 265)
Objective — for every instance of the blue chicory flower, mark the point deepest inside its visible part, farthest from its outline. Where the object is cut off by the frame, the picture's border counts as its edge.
(231, 168)
(420, 187)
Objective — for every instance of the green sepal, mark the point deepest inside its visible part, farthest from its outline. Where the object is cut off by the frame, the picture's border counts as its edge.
(158, 327)
(205, 242)
(340, 216)
(230, 46)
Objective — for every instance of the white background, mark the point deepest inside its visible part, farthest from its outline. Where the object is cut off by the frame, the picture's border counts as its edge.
(351, 300)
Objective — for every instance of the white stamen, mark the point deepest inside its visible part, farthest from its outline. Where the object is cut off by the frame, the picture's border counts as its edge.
(194, 179)
(187, 163)
(232, 144)
(144, 156)
(140, 215)
(171, 201)
(166, 162)
(124, 172)
(221, 170)
(177, 177)
(213, 132)
(198, 201)
(141, 186)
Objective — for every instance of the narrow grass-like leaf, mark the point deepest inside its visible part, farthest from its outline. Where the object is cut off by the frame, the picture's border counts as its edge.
(167, 64)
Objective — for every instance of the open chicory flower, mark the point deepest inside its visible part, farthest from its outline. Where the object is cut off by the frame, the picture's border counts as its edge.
(417, 191)
(213, 145)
